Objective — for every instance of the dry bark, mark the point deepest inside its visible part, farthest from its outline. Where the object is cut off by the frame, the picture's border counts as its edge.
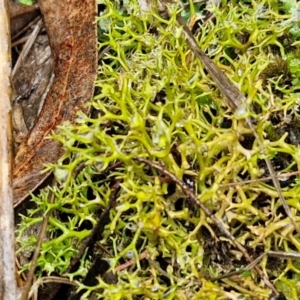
(7, 255)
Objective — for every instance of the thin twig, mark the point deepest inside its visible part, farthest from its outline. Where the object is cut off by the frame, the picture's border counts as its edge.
(282, 175)
(20, 41)
(49, 279)
(236, 101)
(28, 46)
(216, 221)
(98, 229)
(36, 253)
(94, 235)
(273, 175)
(284, 255)
(131, 262)
(24, 29)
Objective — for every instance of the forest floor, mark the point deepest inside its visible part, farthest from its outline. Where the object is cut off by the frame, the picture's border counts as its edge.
(164, 190)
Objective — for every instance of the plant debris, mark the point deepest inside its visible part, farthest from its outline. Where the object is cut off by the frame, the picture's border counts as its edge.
(161, 129)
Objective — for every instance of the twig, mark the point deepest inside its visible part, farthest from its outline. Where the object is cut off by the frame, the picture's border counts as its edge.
(216, 221)
(20, 41)
(259, 179)
(24, 29)
(28, 45)
(285, 255)
(131, 262)
(93, 237)
(98, 229)
(49, 279)
(236, 101)
(8, 284)
(273, 175)
(36, 253)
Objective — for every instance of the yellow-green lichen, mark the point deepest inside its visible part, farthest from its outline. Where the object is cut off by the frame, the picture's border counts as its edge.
(155, 100)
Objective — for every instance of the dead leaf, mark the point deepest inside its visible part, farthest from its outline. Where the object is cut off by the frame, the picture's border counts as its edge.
(71, 28)
(31, 83)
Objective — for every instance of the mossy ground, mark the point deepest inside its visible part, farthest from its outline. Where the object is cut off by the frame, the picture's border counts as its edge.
(155, 100)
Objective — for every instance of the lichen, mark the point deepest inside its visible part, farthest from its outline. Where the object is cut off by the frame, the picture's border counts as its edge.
(155, 100)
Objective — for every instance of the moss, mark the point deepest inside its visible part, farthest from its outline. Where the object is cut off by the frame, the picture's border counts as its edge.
(156, 101)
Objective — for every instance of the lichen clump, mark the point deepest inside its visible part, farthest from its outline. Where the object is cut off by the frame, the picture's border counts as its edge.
(154, 100)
